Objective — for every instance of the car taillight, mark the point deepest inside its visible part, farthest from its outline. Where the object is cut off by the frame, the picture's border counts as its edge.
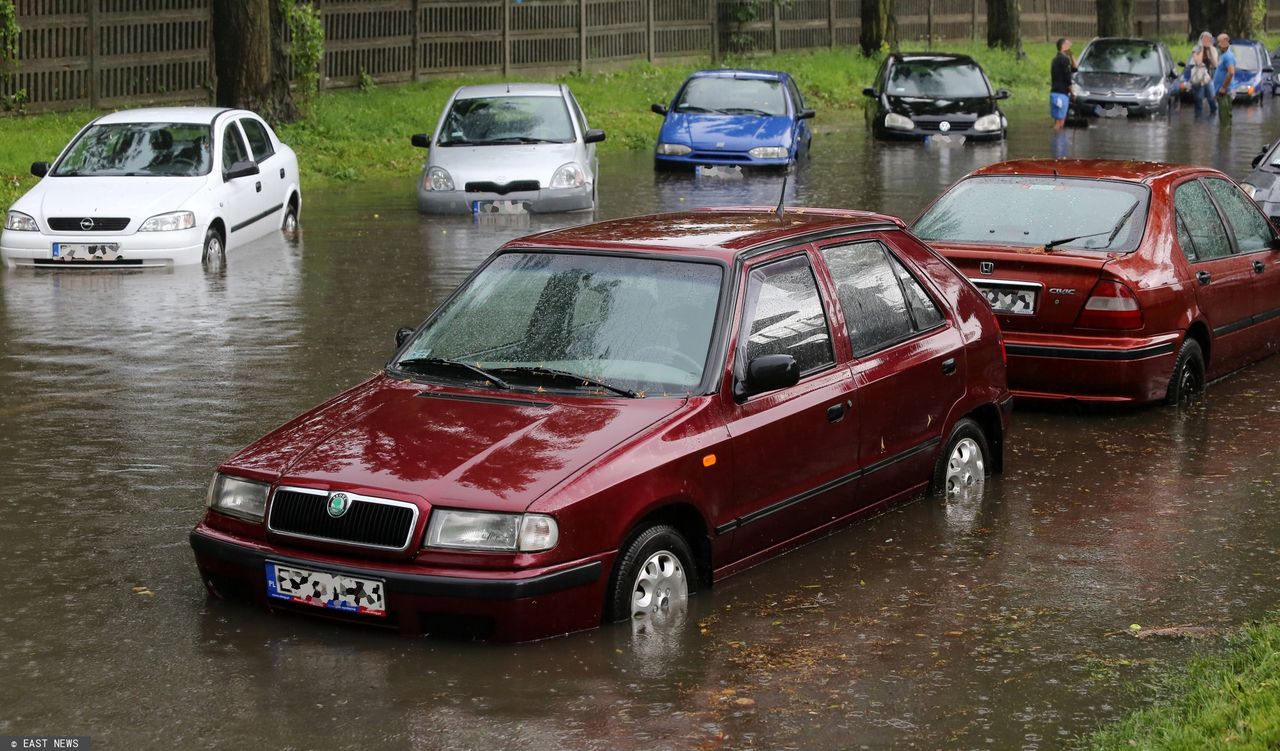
(1111, 305)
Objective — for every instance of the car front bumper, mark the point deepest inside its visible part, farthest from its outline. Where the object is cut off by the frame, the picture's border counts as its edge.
(544, 201)
(137, 250)
(501, 605)
(920, 134)
(1090, 369)
(1086, 105)
(720, 159)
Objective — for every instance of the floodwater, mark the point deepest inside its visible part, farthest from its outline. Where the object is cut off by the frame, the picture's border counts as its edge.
(1000, 624)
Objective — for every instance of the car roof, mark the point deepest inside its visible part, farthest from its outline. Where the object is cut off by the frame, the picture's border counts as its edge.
(1134, 170)
(720, 233)
(764, 75)
(202, 115)
(941, 57)
(504, 89)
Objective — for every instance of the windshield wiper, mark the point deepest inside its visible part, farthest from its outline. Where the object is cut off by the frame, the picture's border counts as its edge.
(580, 380)
(1111, 234)
(516, 139)
(745, 111)
(415, 363)
(696, 108)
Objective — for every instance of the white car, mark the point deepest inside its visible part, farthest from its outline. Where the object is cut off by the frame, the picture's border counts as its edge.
(509, 148)
(155, 187)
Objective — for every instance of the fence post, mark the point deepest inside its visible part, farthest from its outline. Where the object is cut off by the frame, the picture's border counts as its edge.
(1161, 2)
(93, 54)
(649, 29)
(415, 8)
(777, 33)
(582, 36)
(713, 7)
(928, 26)
(506, 38)
(973, 25)
(1046, 19)
(831, 24)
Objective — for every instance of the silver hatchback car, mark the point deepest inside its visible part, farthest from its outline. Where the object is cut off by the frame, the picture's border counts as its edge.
(509, 148)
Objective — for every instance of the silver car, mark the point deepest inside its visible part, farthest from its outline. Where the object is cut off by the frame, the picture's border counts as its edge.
(509, 148)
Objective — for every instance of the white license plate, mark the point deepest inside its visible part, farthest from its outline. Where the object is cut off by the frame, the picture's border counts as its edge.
(86, 251)
(322, 589)
(499, 207)
(1012, 300)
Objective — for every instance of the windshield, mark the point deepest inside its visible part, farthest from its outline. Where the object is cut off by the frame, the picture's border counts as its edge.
(1132, 57)
(1000, 210)
(937, 79)
(139, 149)
(636, 323)
(733, 96)
(1246, 57)
(508, 119)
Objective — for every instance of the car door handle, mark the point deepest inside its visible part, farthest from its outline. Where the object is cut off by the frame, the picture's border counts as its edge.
(282, 173)
(1259, 266)
(1204, 277)
(949, 366)
(835, 413)
(258, 186)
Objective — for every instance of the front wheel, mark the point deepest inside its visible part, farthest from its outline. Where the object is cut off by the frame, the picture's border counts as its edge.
(1187, 382)
(961, 470)
(214, 257)
(653, 579)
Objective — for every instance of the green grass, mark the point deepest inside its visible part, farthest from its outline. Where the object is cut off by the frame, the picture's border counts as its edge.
(1229, 700)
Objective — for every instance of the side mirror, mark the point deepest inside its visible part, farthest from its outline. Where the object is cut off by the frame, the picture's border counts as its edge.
(593, 135)
(1003, 94)
(658, 109)
(770, 373)
(1182, 63)
(869, 92)
(39, 169)
(806, 114)
(240, 169)
(421, 140)
(1268, 69)
(402, 335)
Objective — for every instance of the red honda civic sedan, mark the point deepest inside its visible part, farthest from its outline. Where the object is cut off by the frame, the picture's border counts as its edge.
(1114, 281)
(603, 419)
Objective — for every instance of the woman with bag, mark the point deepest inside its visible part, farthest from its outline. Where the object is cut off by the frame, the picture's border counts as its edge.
(1204, 60)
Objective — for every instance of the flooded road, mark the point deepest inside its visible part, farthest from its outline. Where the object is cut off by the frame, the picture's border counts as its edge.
(993, 625)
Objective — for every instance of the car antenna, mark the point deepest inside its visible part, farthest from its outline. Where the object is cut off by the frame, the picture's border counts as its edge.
(782, 198)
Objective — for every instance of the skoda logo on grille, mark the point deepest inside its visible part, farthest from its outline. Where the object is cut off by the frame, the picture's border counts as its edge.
(944, 126)
(86, 224)
(338, 504)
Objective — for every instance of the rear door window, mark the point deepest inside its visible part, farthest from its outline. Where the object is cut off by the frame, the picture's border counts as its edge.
(785, 315)
(1201, 220)
(1251, 228)
(882, 303)
(233, 149)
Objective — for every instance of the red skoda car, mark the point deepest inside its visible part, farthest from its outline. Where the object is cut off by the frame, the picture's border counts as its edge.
(603, 419)
(1115, 281)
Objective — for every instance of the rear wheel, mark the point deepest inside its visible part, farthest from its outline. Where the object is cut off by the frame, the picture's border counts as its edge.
(961, 470)
(1187, 382)
(289, 225)
(653, 579)
(214, 256)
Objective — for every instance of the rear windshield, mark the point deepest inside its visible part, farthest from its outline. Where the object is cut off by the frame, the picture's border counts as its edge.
(1132, 57)
(935, 79)
(1022, 210)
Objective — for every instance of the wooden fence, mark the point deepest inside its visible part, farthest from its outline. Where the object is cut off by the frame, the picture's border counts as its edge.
(112, 53)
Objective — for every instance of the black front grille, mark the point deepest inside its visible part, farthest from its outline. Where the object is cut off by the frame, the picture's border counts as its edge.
(364, 523)
(77, 223)
(935, 125)
(720, 156)
(502, 189)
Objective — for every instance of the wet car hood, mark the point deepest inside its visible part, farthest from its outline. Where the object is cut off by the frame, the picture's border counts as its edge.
(929, 107)
(135, 197)
(1120, 83)
(1267, 182)
(726, 132)
(481, 449)
(503, 164)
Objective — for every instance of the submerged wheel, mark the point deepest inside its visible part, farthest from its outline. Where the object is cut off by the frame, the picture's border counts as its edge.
(1187, 382)
(653, 578)
(961, 470)
(214, 256)
(289, 225)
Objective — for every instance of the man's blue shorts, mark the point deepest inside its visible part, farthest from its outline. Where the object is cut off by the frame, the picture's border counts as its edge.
(1058, 105)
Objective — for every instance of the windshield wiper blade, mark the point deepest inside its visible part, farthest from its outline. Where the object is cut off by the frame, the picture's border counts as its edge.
(745, 111)
(566, 375)
(696, 108)
(1111, 234)
(516, 139)
(415, 363)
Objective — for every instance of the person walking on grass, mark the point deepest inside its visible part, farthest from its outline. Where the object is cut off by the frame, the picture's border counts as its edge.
(1222, 78)
(1060, 83)
(1204, 62)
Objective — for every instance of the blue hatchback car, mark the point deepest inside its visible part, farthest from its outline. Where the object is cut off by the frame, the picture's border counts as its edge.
(1253, 72)
(750, 118)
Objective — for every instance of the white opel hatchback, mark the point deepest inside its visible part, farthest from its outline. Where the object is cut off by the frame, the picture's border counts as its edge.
(155, 187)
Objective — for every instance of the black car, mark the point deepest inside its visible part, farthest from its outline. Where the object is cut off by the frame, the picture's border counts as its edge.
(918, 95)
(1263, 183)
(1119, 75)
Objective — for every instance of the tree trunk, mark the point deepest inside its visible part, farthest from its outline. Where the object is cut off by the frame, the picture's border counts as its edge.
(875, 25)
(242, 53)
(1115, 18)
(1240, 19)
(1206, 15)
(285, 109)
(1003, 22)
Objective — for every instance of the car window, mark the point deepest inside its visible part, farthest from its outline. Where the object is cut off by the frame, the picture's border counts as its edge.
(138, 150)
(577, 113)
(507, 119)
(796, 97)
(786, 315)
(1251, 228)
(732, 96)
(233, 149)
(935, 78)
(1184, 240)
(1202, 221)
(876, 311)
(259, 140)
(924, 313)
(1132, 56)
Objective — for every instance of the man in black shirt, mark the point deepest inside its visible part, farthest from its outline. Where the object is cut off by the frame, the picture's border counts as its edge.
(1060, 83)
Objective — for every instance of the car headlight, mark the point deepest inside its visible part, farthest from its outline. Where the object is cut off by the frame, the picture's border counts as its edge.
(1079, 90)
(234, 496)
(898, 122)
(1249, 190)
(20, 222)
(569, 176)
(483, 530)
(1152, 93)
(168, 222)
(673, 149)
(437, 178)
(769, 152)
(987, 123)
